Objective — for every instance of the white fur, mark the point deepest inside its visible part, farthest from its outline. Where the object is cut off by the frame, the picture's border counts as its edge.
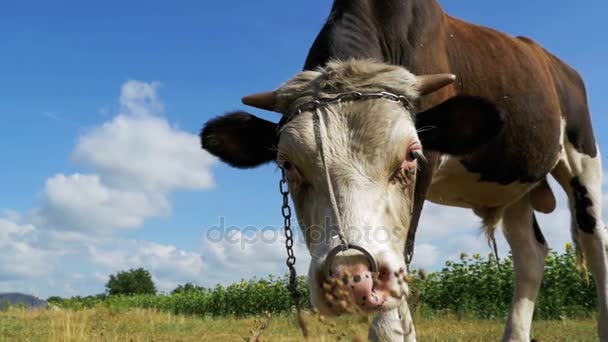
(593, 248)
(393, 326)
(454, 185)
(528, 263)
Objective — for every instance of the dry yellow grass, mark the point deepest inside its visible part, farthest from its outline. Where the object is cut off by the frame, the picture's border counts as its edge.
(102, 324)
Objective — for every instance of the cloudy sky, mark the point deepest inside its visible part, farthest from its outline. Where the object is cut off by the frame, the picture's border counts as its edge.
(101, 166)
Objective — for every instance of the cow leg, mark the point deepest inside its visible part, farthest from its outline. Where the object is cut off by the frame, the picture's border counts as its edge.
(581, 177)
(529, 250)
(393, 326)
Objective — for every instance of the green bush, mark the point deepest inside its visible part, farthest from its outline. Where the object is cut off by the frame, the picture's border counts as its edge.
(482, 288)
(187, 288)
(474, 286)
(131, 282)
(241, 299)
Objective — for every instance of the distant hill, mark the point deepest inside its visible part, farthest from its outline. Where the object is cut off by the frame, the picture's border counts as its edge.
(12, 299)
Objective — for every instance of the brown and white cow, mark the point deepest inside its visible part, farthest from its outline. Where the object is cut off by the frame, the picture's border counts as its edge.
(487, 141)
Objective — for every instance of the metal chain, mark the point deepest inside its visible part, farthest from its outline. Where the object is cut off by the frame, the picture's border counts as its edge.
(350, 96)
(291, 258)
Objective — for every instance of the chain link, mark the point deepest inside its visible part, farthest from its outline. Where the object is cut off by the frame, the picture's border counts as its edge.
(349, 96)
(291, 258)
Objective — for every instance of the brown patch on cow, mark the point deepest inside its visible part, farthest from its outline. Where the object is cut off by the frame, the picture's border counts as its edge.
(517, 77)
(542, 198)
(574, 107)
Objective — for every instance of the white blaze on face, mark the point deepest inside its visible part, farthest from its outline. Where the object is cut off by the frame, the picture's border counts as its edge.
(365, 149)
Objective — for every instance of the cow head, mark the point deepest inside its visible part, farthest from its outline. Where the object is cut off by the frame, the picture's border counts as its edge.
(351, 165)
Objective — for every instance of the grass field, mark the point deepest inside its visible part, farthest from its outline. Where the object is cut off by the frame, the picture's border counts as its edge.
(102, 324)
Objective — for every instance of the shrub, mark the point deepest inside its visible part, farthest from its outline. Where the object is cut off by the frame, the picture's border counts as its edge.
(187, 288)
(482, 288)
(131, 282)
(475, 287)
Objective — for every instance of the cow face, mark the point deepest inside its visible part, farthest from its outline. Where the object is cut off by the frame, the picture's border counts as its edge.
(351, 166)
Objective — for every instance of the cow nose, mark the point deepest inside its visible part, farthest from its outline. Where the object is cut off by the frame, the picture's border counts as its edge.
(358, 281)
(357, 271)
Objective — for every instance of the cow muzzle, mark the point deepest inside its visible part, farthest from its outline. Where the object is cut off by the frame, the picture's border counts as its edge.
(355, 281)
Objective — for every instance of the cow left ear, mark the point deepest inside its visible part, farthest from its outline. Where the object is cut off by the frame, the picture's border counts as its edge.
(240, 139)
(459, 125)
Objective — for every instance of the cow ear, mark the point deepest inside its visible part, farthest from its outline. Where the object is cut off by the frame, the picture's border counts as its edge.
(459, 125)
(240, 139)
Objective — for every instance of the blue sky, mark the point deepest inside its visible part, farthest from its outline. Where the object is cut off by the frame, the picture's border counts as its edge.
(89, 90)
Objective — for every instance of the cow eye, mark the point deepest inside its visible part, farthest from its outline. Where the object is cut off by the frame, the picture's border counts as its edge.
(412, 156)
(409, 163)
(287, 166)
(291, 171)
(413, 152)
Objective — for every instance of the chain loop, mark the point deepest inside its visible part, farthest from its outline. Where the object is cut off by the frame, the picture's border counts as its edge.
(291, 258)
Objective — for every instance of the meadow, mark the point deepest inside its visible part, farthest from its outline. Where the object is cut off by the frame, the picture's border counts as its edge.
(103, 324)
(467, 300)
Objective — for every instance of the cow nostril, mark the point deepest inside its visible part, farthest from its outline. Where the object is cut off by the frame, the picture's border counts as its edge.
(384, 274)
(357, 278)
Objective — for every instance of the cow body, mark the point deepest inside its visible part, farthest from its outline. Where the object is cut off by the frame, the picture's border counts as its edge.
(547, 130)
(515, 115)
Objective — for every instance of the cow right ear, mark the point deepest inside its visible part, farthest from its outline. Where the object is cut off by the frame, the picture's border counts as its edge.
(240, 139)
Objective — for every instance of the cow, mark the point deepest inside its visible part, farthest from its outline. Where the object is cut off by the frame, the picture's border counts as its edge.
(400, 103)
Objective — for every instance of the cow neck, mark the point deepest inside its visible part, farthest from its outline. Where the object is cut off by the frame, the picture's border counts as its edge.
(391, 31)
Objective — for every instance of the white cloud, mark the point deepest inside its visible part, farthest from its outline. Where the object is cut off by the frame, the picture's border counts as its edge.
(426, 256)
(556, 225)
(83, 202)
(23, 254)
(439, 221)
(140, 98)
(72, 263)
(135, 161)
(140, 149)
(145, 152)
(169, 265)
(137, 158)
(242, 256)
(446, 232)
